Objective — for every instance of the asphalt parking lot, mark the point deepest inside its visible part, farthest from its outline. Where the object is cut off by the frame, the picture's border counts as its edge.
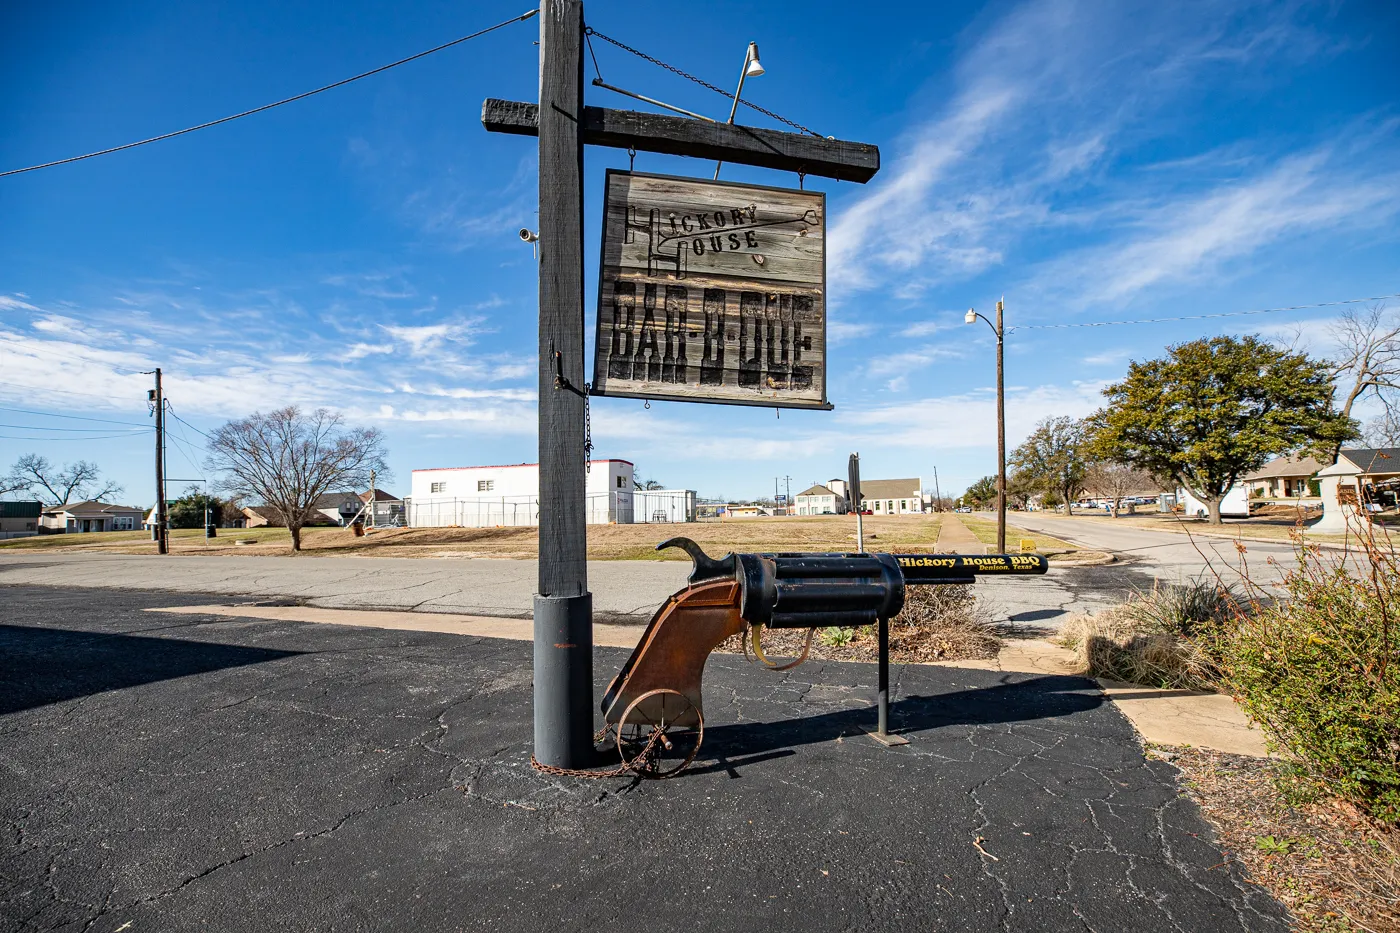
(166, 772)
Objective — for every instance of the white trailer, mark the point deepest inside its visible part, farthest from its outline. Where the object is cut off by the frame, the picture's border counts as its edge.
(1234, 505)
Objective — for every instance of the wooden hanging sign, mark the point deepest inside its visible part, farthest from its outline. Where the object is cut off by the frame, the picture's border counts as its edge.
(711, 292)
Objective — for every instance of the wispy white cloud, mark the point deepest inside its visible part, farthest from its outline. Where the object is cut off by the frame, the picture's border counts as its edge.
(13, 303)
(1183, 239)
(1046, 105)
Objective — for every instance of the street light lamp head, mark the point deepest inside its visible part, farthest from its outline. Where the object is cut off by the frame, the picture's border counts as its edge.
(753, 69)
(970, 317)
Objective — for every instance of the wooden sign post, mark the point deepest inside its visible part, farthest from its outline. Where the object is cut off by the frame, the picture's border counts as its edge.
(563, 654)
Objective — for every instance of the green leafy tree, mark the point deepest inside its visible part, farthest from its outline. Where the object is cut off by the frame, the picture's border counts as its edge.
(188, 511)
(981, 493)
(1216, 409)
(1053, 458)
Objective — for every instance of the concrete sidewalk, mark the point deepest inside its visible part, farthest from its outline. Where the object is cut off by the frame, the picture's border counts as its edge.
(181, 772)
(955, 538)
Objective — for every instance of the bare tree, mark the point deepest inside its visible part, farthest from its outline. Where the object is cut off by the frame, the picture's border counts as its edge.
(1383, 430)
(54, 485)
(1368, 358)
(1114, 481)
(287, 459)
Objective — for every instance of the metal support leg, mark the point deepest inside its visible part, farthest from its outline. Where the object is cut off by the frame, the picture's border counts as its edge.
(564, 680)
(882, 733)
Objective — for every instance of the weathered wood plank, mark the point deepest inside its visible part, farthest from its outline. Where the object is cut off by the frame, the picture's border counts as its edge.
(711, 292)
(746, 145)
(562, 569)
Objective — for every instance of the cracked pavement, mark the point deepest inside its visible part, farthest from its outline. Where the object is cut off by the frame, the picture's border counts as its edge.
(164, 772)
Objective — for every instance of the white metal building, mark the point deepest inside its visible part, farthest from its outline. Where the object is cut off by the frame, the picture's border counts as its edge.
(485, 496)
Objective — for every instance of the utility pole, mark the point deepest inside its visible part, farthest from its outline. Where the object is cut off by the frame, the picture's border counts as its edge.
(563, 606)
(787, 488)
(937, 494)
(371, 498)
(157, 396)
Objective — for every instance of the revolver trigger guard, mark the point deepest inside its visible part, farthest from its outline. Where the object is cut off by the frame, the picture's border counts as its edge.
(756, 635)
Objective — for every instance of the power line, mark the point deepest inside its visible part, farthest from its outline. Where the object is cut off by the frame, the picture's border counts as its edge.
(105, 437)
(49, 414)
(1201, 317)
(287, 100)
(187, 424)
(39, 427)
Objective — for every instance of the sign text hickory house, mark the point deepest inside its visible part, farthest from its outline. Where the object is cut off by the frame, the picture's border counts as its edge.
(712, 291)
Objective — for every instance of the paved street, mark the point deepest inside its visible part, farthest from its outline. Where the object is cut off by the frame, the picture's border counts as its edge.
(167, 772)
(623, 591)
(1167, 556)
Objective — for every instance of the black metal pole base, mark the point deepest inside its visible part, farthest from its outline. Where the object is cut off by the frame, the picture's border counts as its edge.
(564, 681)
(882, 702)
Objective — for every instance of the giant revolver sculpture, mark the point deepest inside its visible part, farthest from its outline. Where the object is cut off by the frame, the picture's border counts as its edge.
(654, 703)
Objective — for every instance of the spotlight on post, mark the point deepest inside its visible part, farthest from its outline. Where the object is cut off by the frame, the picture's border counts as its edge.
(751, 69)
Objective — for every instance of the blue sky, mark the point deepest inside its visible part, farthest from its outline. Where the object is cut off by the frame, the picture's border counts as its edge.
(1090, 161)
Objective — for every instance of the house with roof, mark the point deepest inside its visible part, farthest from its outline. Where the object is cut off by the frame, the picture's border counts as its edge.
(1362, 481)
(892, 496)
(1288, 477)
(90, 516)
(820, 500)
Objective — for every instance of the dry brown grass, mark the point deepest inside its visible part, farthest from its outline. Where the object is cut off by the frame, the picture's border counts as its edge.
(906, 533)
(938, 623)
(1335, 870)
(1154, 638)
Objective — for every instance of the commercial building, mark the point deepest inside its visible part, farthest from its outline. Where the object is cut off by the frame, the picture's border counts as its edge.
(821, 500)
(20, 519)
(509, 494)
(892, 496)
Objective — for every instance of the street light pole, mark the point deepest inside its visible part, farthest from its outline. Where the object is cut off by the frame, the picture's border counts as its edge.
(997, 328)
(1001, 438)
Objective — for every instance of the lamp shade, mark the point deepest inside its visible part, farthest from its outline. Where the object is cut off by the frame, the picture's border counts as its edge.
(753, 69)
(971, 316)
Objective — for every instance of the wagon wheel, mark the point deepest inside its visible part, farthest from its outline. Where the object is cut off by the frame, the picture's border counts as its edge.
(660, 733)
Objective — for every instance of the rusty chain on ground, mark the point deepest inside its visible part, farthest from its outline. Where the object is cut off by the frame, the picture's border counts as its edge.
(634, 766)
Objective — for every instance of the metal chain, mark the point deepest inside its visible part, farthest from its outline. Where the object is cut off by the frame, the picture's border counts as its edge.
(627, 767)
(587, 429)
(590, 31)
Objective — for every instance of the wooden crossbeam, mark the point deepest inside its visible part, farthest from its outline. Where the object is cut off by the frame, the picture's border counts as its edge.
(747, 145)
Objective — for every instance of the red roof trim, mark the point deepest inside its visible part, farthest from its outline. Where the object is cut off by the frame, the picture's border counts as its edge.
(509, 466)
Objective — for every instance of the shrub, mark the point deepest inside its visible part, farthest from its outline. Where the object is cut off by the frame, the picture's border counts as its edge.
(1320, 671)
(1159, 638)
